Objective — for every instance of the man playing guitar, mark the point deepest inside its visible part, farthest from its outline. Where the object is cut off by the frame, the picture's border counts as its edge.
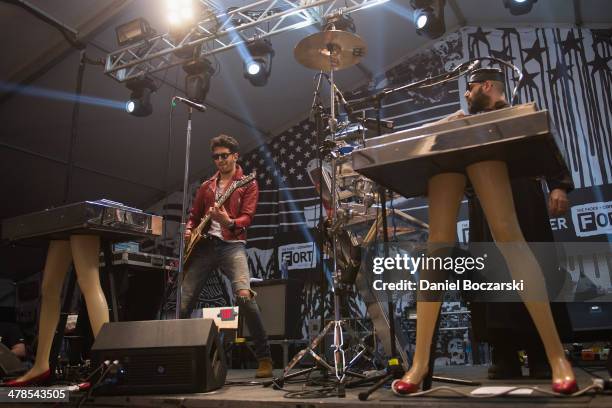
(224, 242)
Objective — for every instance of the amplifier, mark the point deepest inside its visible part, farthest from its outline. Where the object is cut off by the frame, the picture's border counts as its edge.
(142, 259)
(278, 301)
(135, 273)
(583, 321)
(161, 357)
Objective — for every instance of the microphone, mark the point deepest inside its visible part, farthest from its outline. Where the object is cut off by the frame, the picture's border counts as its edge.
(343, 101)
(340, 97)
(190, 103)
(474, 65)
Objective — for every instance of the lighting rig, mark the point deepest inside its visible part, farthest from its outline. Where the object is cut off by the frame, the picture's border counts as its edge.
(217, 29)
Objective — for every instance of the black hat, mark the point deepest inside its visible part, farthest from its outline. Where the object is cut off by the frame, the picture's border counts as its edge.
(486, 74)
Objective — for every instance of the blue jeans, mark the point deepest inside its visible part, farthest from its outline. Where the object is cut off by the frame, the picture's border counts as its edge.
(231, 258)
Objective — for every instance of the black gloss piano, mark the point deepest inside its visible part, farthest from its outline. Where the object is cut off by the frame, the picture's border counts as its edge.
(523, 136)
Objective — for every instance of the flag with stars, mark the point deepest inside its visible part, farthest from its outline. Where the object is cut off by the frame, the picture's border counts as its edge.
(566, 71)
(288, 201)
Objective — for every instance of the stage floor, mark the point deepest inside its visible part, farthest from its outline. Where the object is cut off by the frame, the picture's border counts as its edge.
(259, 397)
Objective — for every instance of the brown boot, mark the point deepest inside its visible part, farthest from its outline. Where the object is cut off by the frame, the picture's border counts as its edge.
(265, 368)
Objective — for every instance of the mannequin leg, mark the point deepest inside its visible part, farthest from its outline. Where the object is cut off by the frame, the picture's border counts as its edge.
(444, 194)
(58, 261)
(86, 255)
(491, 183)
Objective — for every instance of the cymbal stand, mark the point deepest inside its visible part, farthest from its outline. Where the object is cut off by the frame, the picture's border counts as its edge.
(339, 367)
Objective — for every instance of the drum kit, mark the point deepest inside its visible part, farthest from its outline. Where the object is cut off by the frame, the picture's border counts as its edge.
(329, 51)
(347, 196)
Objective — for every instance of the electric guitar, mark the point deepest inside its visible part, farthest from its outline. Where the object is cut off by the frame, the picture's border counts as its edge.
(198, 233)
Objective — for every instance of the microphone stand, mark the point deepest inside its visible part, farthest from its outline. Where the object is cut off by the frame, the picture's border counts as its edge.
(179, 279)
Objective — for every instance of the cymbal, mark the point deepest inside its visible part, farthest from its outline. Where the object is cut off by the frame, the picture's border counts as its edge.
(331, 49)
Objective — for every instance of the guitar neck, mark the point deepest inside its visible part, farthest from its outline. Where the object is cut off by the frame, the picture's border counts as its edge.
(218, 203)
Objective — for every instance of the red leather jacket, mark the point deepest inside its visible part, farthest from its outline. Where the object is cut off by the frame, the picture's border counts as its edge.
(240, 206)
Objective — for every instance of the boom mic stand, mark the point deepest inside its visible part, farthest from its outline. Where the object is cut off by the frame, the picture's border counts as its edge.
(179, 278)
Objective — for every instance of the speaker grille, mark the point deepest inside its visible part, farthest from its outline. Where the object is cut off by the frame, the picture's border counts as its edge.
(159, 369)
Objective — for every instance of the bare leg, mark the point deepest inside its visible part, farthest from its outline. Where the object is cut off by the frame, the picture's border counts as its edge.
(492, 185)
(86, 254)
(444, 193)
(58, 261)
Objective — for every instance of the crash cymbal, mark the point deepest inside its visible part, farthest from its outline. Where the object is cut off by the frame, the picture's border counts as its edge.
(331, 49)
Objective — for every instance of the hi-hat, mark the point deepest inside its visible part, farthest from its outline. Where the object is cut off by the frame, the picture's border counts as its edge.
(331, 49)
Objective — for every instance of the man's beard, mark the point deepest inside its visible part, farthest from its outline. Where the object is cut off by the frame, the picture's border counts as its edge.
(478, 102)
(227, 169)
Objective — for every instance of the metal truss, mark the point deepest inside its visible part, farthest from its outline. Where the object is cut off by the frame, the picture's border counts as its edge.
(220, 30)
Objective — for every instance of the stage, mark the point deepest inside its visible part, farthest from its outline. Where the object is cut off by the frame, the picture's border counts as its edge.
(259, 397)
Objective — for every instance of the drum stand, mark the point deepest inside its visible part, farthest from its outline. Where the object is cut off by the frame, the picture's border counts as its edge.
(339, 368)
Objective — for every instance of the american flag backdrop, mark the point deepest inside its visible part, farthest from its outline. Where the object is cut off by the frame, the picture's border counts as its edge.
(286, 194)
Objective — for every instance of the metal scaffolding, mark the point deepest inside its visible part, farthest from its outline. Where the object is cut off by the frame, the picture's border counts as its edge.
(220, 30)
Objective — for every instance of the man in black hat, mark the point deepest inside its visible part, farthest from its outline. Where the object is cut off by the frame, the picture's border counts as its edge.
(507, 326)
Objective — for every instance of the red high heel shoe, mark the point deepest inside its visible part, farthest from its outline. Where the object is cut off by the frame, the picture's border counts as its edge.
(566, 387)
(39, 379)
(400, 387)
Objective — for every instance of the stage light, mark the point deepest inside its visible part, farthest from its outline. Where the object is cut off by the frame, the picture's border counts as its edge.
(133, 32)
(518, 7)
(253, 67)
(130, 106)
(258, 66)
(139, 103)
(180, 12)
(421, 21)
(197, 82)
(429, 17)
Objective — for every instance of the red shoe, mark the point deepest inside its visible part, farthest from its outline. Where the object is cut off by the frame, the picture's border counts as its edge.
(39, 379)
(400, 387)
(566, 387)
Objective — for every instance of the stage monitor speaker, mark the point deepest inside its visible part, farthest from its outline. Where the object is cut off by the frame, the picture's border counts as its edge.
(278, 301)
(9, 363)
(583, 321)
(161, 357)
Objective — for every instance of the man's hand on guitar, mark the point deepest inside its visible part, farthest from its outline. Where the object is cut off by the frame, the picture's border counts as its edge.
(220, 215)
(187, 235)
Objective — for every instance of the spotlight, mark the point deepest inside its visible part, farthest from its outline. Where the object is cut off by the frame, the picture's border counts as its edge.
(258, 66)
(421, 20)
(133, 32)
(253, 67)
(197, 81)
(429, 17)
(518, 7)
(139, 103)
(180, 12)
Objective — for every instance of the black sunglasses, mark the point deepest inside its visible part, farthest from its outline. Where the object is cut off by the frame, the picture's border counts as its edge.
(223, 156)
